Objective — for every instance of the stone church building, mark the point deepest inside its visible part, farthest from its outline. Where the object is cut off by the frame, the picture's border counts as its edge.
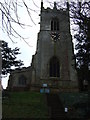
(53, 63)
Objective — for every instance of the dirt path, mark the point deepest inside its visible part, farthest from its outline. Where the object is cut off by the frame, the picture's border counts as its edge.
(56, 107)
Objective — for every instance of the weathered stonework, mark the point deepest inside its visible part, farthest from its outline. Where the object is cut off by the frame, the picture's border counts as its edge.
(52, 64)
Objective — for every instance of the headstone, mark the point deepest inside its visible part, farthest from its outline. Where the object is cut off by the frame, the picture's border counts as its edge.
(66, 109)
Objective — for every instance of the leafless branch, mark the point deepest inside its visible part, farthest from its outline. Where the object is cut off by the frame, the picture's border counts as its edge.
(28, 11)
(10, 16)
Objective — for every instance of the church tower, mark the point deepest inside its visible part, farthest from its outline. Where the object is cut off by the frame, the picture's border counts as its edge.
(53, 62)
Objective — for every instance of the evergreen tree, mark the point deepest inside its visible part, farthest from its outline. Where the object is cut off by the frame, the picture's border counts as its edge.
(9, 59)
(81, 17)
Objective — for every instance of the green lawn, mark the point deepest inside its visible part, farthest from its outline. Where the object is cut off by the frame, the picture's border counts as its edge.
(33, 105)
(77, 104)
(25, 105)
(71, 98)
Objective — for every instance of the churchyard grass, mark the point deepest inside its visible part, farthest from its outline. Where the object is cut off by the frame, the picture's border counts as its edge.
(77, 104)
(25, 105)
(33, 105)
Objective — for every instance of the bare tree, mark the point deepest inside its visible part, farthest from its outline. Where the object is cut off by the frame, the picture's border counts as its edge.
(9, 10)
(10, 16)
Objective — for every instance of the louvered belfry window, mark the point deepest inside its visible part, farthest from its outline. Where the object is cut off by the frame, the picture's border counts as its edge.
(54, 25)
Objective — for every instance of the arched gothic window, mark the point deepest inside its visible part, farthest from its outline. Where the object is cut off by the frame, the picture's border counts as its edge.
(55, 25)
(22, 80)
(54, 69)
